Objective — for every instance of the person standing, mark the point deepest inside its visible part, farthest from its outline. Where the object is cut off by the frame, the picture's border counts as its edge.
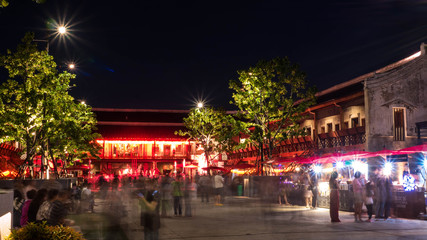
(205, 184)
(24, 216)
(308, 194)
(334, 198)
(189, 195)
(58, 211)
(150, 218)
(177, 195)
(358, 197)
(369, 201)
(218, 186)
(315, 190)
(44, 210)
(38, 200)
(165, 196)
(388, 196)
(380, 197)
(18, 202)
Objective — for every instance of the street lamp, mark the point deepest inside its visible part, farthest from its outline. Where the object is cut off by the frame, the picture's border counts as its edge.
(71, 66)
(61, 30)
(199, 105)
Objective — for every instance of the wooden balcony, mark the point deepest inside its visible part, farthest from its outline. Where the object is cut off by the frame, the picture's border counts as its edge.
(306, 145)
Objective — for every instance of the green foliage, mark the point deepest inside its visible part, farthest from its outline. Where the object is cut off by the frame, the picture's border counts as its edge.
(43, 231)
(213, 129)
(5, 3)
(37, 110)
(272, 97)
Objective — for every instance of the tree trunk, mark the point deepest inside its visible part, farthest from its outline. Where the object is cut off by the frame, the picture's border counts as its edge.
(261, 147)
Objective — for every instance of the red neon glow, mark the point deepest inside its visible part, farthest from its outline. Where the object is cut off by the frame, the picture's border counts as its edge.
(6, 173)
(142, 142)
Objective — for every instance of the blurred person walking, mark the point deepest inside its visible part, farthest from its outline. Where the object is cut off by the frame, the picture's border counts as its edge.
(388, 197)
(87, 201)
(150, 218)
(369, 201)
(218, 187)
(165, 196)
(204, 187)
(308, 194)
(334, 201)
(314, 190)
(177, 195)
(190, 193)
(358, 191)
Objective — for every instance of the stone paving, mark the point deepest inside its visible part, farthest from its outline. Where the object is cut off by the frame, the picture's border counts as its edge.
(244, 218)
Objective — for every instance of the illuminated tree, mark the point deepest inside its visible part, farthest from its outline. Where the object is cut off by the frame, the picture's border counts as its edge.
(213, 129)
(37, 110)
(271, 97)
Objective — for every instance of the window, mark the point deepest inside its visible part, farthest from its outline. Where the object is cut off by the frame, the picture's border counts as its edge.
(322, 130)
(399, 124)
(337, 127)
(329, 127)
(354, 122)
(345, 125)
(308, 130)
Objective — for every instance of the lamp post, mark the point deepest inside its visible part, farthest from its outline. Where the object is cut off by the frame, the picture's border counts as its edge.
(62, 31)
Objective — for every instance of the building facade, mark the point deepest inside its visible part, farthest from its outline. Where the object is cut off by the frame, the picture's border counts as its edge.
(384, 109)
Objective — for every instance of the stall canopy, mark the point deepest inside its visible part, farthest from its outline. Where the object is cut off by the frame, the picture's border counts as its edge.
(415, 149)
(243, 166)
(215, 168)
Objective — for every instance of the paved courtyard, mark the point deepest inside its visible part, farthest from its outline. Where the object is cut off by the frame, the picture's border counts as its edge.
(244, 218)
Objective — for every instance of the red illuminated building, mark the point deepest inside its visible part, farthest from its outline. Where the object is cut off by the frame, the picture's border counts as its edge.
(141, 141)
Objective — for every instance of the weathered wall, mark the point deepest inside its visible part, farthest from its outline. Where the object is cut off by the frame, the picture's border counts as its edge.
(405, 87)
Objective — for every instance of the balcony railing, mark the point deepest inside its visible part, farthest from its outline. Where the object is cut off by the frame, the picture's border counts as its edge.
(304, 145)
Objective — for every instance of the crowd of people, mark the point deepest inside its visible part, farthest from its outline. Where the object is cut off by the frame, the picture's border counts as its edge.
(375, 194)
(38, 205)
(169, 196)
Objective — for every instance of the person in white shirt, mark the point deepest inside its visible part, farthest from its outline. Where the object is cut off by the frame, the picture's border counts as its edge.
(218, 187)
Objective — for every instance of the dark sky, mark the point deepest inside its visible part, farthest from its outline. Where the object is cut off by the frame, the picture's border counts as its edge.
(168, 54)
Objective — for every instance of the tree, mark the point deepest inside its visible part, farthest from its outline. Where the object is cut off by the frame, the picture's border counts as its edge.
(36, 109)
(213, 129)
(5, 3)
(272, 97)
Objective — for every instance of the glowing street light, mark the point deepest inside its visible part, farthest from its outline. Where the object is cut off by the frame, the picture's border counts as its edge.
(62, 30)
(199, 105)
(71, 66)
(317, 169)
(388, 168)
(339, 165)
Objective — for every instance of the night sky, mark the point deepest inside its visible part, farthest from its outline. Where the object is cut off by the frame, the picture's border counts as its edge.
(169, 54)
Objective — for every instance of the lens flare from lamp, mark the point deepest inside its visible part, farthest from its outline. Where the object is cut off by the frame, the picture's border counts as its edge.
(388, 168)
(62, 29)
(339, 165)
(317, 168)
